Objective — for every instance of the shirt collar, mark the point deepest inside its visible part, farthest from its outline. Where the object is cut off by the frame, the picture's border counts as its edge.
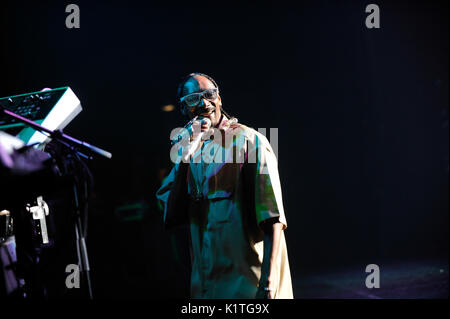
(224, 123)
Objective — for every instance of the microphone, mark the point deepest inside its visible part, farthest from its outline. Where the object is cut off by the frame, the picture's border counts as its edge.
(187, 131)
(193, 144)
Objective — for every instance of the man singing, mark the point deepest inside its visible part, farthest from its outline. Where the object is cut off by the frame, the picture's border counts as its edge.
(226, 187)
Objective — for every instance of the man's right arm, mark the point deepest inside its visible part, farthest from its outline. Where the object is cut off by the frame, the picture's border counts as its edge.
(173, 195)
(164, 191)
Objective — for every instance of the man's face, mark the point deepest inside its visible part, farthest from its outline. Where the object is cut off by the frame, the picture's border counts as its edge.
(205, 108)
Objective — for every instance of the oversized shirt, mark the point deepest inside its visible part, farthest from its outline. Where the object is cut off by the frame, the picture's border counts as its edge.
(232, 186)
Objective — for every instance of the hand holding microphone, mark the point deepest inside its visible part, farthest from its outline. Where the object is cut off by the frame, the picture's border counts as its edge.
(199, 128)
(192, 130)
(191, 136)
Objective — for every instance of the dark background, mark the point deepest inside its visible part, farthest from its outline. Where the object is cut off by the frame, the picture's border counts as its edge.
(362, 116)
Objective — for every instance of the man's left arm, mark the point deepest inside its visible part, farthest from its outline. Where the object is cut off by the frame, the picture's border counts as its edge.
(269, 213)
(272, 235)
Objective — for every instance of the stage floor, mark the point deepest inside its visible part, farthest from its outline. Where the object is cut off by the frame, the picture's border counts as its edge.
(410, 280)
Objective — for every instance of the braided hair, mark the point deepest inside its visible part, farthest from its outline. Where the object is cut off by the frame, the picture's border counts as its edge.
(182, 84)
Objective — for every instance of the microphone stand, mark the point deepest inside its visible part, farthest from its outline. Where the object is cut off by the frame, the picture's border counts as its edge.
(73, 145)
(58, 135)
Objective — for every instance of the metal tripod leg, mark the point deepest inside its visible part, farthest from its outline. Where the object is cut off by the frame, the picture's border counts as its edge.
(83, 259)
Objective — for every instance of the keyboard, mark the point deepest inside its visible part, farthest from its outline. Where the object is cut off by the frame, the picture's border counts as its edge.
(51, 108)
